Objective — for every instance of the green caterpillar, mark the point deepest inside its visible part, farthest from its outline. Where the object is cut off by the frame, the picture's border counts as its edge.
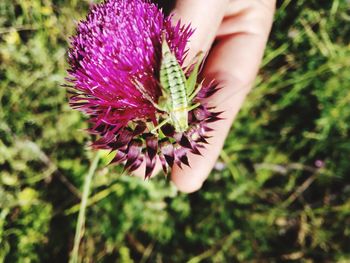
(177, 91)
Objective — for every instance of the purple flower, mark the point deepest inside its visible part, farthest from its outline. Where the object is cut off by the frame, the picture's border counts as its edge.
(120, 43)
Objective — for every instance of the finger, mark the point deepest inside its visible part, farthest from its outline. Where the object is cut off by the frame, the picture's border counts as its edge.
(205, 17)
(242, 40)
(234, 62)
(191, 12)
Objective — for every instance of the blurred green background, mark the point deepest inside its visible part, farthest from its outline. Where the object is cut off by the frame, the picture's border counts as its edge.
(281, 189)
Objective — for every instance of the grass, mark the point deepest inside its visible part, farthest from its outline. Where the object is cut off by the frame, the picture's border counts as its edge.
(284, 194)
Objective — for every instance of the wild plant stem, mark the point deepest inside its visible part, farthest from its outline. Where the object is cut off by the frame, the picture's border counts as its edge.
(81, 217)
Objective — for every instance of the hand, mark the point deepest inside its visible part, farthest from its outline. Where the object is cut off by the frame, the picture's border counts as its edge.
(240, 29)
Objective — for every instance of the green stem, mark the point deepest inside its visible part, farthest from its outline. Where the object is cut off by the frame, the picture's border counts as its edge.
(81, 217)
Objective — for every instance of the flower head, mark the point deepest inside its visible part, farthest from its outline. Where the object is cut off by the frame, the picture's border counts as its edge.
(117, 46)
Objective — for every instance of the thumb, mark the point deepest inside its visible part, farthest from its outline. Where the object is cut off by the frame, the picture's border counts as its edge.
(204, 17)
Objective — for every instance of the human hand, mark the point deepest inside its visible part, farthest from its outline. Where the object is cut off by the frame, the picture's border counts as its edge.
(240, 29)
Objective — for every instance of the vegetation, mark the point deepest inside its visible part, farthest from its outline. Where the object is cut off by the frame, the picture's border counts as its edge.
(280, 193)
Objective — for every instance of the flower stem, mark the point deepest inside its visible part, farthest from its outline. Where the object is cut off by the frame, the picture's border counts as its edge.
(81, 217)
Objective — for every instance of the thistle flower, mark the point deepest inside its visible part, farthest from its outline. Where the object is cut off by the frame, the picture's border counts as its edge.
(118, 45)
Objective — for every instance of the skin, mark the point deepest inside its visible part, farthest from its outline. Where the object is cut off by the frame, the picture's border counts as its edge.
(240, 29)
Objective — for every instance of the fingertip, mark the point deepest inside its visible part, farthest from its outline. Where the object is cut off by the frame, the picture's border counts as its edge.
(186, 184)
(190, 179)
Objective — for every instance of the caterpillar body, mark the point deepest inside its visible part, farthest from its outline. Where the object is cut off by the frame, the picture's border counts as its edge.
(173, 83)
(178, 91)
